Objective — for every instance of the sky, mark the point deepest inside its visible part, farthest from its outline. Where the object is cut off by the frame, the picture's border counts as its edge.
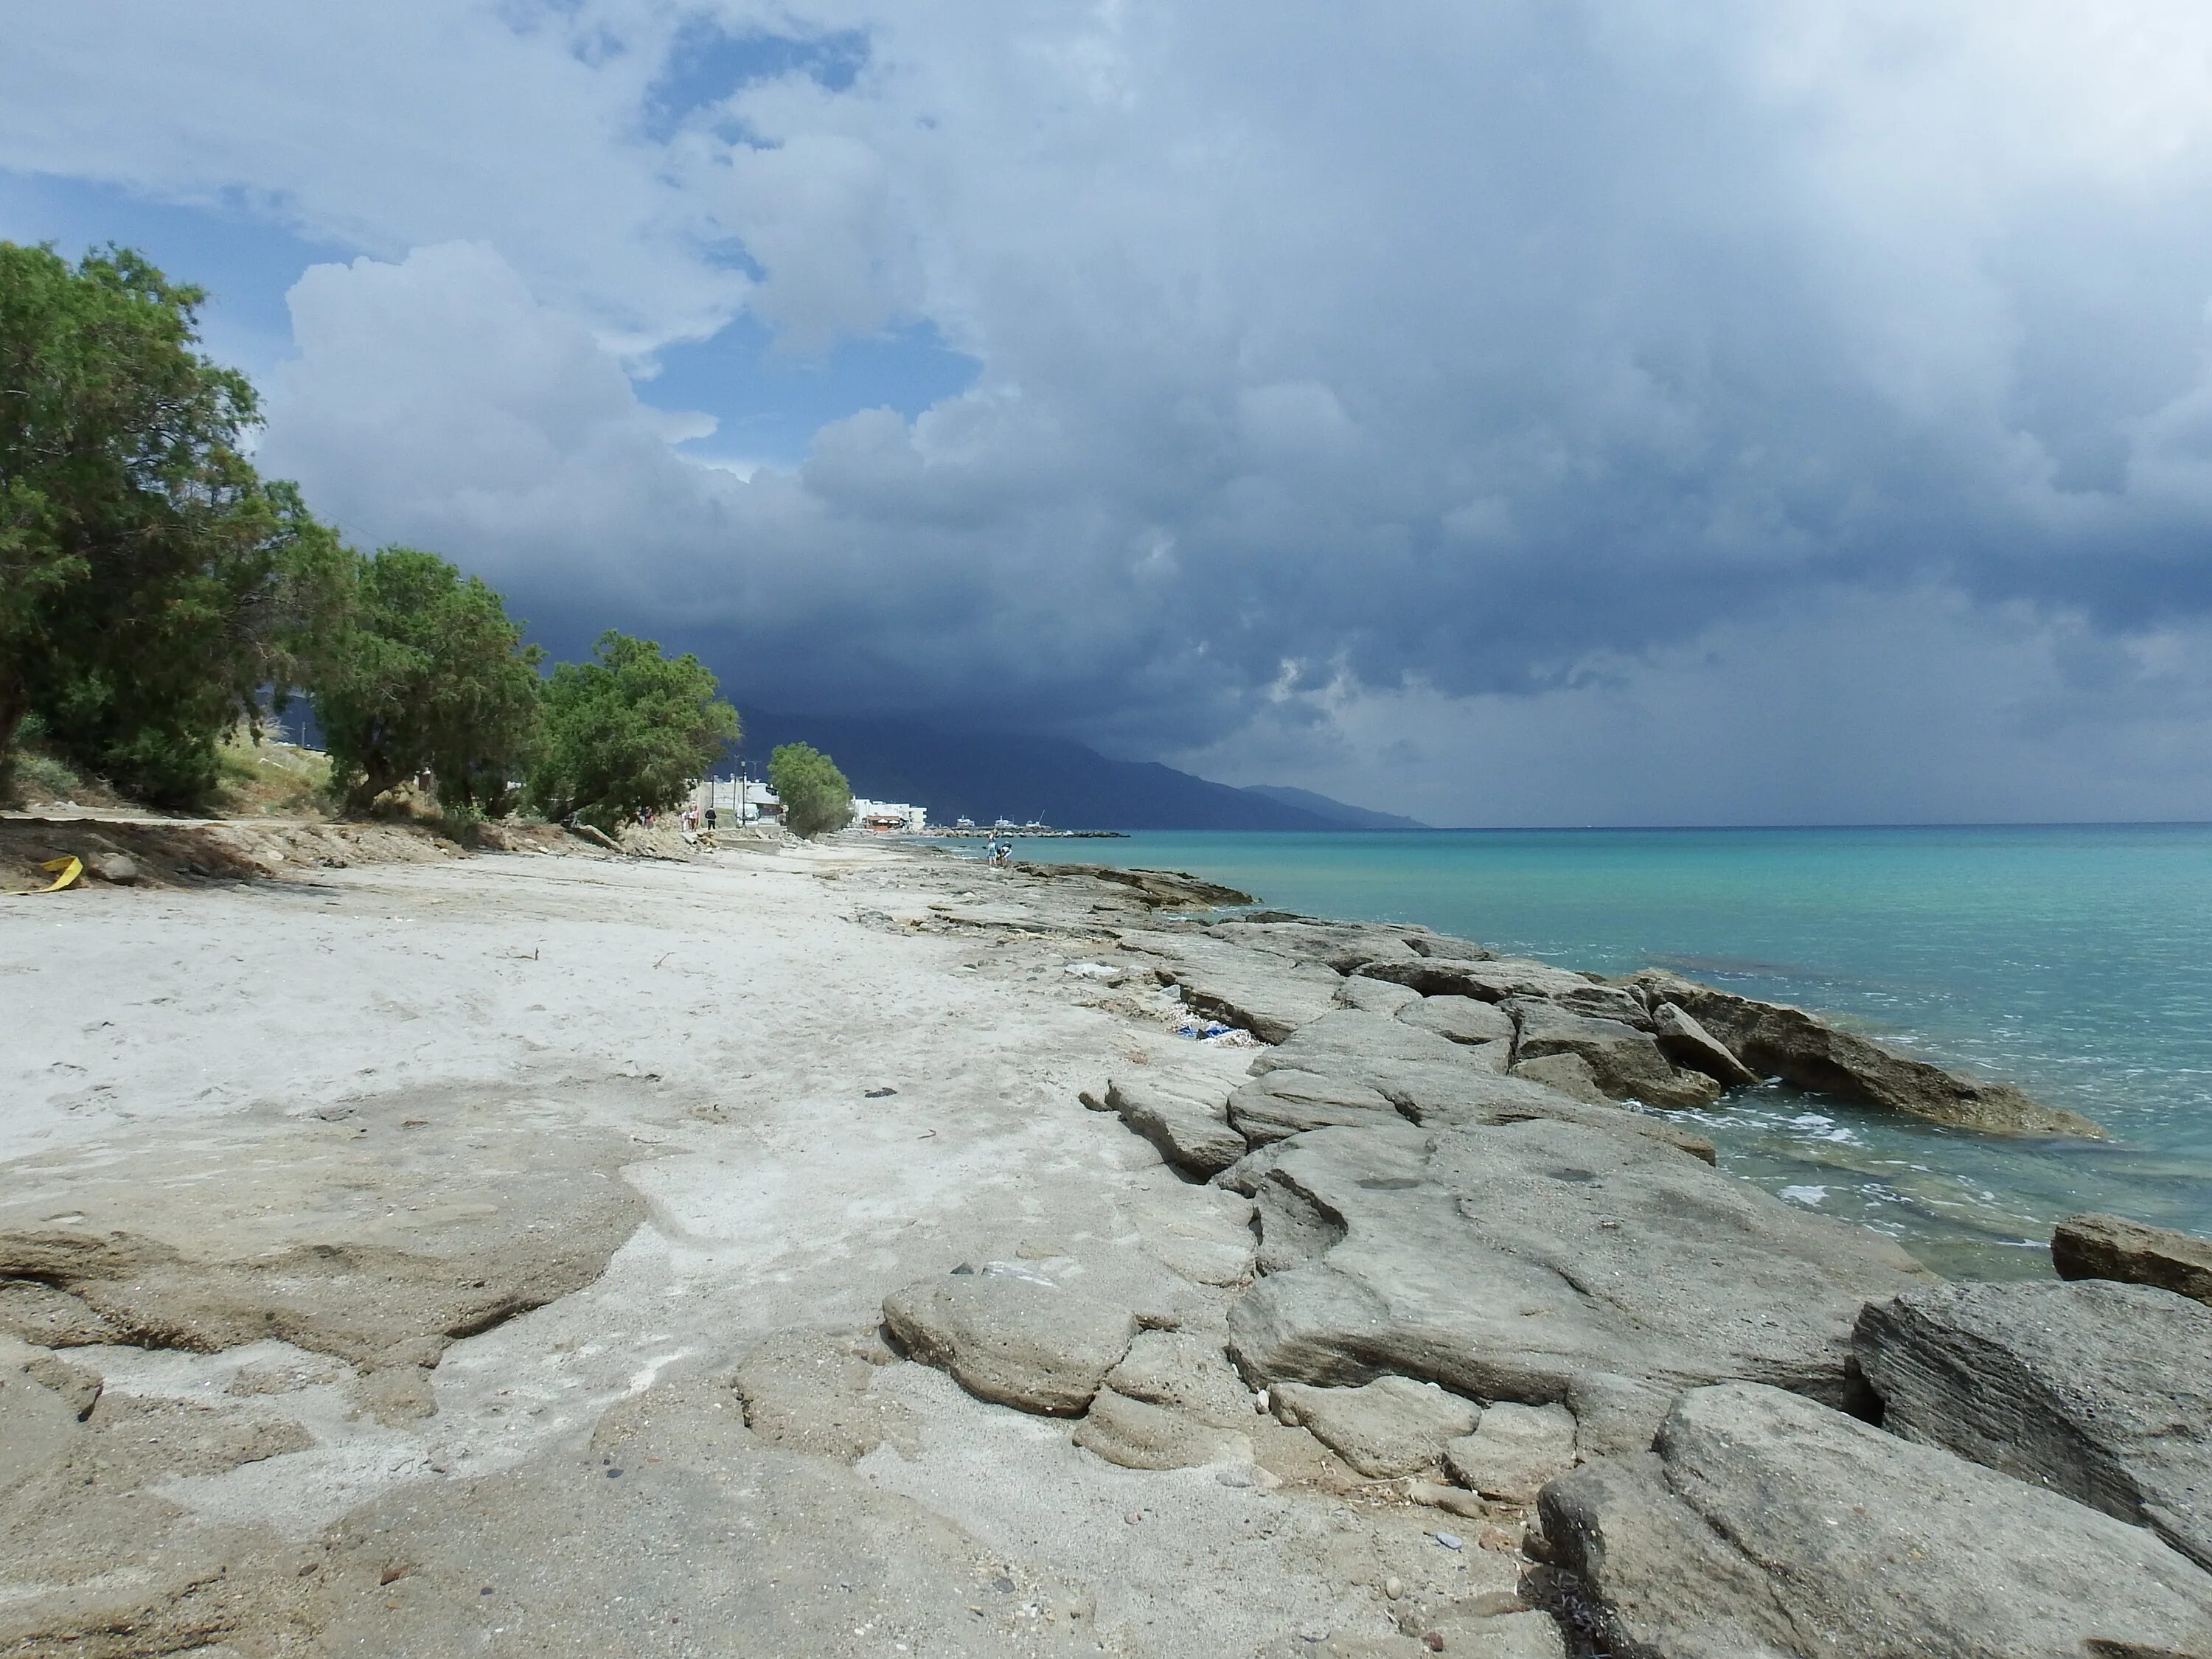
(1615, 412)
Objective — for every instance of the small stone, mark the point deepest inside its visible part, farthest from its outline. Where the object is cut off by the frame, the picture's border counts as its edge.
(1451, 1541)
(117, 867)
(1394, 1588)
(1434, 1641)
(390, 1574)
(1132, 1518)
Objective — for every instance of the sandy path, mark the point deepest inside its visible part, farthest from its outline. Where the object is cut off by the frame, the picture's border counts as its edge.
(503, 1057)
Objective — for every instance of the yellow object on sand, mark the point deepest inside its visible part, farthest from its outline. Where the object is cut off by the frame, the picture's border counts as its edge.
(68, 874)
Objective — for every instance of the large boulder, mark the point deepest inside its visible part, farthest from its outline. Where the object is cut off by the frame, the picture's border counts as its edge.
(2107, 1247)
(1764, 1524)
(1191, 1129)
(2098, 1390)
(1626, 1063)
(1685, 1042)
(1776, 1040)
(1515, 1262)
(1011, 1337)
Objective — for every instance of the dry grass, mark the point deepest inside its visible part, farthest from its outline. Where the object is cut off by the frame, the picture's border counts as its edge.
(263, 778)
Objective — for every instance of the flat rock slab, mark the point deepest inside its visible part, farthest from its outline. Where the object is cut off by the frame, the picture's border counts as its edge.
(1460, 1018)
(1267, 993)
(1191, 1130)
(1515, 1449)
(1281, 1103)
(1496, 979)
(1391, 1426)
(1343, 1039)
(1513, 1262)
(1776, 1040)
(1012, 1339)
(1341, 947)
(2098, 1390)
(2108, 1247)
(1375, 996)
(1766, 1524)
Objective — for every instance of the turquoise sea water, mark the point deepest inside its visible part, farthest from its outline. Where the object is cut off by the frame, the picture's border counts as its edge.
(2074, 962)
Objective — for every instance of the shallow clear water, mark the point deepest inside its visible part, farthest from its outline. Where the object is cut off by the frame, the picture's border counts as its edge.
(2074, 962)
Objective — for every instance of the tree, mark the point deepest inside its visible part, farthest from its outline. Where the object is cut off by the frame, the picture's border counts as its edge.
(427, 673)
(152, 587)
(815, 797)
(631, 729)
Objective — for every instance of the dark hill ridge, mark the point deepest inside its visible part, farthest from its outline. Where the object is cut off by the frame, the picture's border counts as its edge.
(985, 776)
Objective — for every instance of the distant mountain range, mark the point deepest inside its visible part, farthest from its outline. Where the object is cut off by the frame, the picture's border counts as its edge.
(985, 775)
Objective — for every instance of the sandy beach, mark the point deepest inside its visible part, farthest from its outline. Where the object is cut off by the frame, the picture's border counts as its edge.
(653, 1096)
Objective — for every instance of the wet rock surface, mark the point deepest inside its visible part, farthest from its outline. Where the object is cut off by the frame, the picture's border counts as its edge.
(2109, 1246)
(1776, 1040)
(2098, 1390)
(1764, 1523)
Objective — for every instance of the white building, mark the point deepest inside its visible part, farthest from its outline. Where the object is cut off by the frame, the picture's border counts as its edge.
(890, 818)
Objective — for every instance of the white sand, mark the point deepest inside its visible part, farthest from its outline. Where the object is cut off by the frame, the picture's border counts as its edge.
(726, 1019)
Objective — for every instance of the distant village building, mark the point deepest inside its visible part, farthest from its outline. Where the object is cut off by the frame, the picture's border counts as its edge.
(890, 818)
(739, 800)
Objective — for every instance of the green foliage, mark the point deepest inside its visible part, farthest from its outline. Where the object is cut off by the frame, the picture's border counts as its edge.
(151, 585)
(629, 729)
(426, 671)
(815, 797)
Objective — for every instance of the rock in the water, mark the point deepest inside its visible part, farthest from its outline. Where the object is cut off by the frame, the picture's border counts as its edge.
(2109, 1246)
(1515, 1449)
(1626, 1063)
(1460, 1018)
(1391, 1426)
(1768, 1526)
(1774, 1040)
(1375, 996)
(1685, 1042)
(1283, 1102)
(2098, 1390)
(1035, 1346)
(1269, 995)
(1570, 1074)
(1506, 1263)
(1192, 1132)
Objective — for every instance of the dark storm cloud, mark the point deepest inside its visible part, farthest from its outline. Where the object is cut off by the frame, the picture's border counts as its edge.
(1333, 369)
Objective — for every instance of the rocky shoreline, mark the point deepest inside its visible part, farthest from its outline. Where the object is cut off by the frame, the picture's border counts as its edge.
(733, 1265)
(1488, 1267)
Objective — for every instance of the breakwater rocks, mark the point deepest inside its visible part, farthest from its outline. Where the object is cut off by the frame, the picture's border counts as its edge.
(1491, 1273)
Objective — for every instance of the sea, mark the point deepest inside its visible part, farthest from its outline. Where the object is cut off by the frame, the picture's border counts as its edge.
(2074, 960)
